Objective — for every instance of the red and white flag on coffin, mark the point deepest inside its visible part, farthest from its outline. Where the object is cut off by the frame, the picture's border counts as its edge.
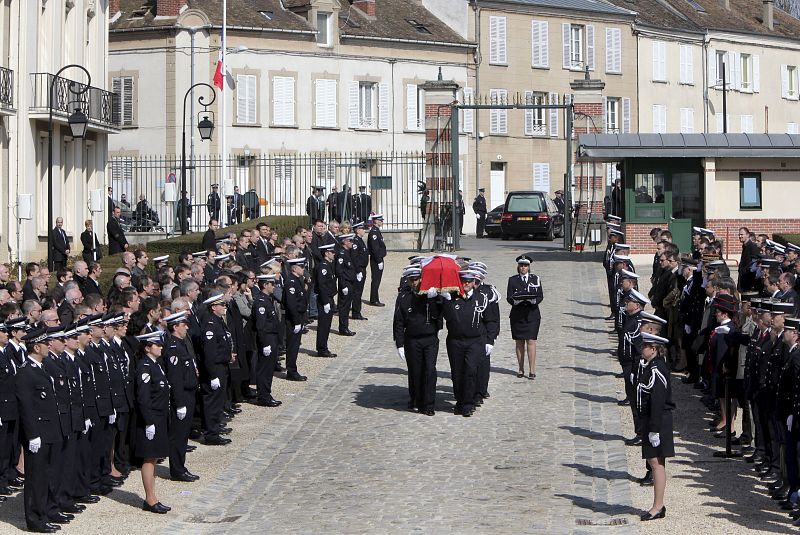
(219, 74)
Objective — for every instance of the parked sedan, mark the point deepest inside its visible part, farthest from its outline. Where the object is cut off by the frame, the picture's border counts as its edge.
(531, 213)
(493, 220)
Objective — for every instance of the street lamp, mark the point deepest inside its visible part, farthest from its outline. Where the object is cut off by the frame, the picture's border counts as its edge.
(206, 128)
(77, 124)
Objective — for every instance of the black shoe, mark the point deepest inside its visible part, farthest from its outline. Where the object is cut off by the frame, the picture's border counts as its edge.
(775, 488)
(377, 304)
(647, 480)
(359, 317)
(5, 491)
(750, 459)
(326, 353)
(89, 498)
(304, 331)
(633, 441)
(346, 332)
(157, 508)
(428, 412)
(249, 393)
(295, 377)
(279, 368)
(183, 477)
(44, 528)
(191, 475)
(268, 403)
(102, 490)
(466, 413)
(190, 448)
(623, 402)
(235, 410)
(224, 430)
(216, 440)
(646, 516)
(75, 508)
(60, 518)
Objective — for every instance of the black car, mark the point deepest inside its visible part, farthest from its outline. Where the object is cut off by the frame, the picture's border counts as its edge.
(531, 213)
(493, 219)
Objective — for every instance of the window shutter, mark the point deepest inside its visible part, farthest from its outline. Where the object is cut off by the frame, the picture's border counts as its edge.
(687, 68)
(246, 99)
(626, 115)
(277, 97)
(687, 120)
(326, 102)
(735, 70)
(712, 67)
(127, 101)
(791, 128)
(503, 114)
(590, 46)
(540, 42)
(117, 104)
(613, 50)
(746, 124)
(384, 109)
(756, 75)
(784, 81)
(605, 115)
(659, 60)
(468, 122)
(537, 175)
(541, 177)
(412, 108)
(497, 40)
(718, 118)
(283, 101)
(352, 104)
(566, 61)
(553, 122)
(529, 114)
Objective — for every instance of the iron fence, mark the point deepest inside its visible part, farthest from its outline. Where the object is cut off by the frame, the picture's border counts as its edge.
(278, 184)
(98, 104)
(6, 88)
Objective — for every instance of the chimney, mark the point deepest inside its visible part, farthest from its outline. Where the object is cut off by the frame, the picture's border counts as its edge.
(726, 4)
(113, 7)
(169, 8)
(366, 6)
(769, 6)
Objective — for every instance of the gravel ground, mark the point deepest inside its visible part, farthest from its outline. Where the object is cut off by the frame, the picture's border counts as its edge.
(704, 494)
(121, 512)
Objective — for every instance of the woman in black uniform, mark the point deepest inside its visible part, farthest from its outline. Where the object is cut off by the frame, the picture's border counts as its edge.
(654, 403)
(524, 295)
(152, 400)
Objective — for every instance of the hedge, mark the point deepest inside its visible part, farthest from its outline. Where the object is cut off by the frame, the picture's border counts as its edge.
(784, 238)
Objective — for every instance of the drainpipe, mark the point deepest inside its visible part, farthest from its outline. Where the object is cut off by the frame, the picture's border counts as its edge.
(706, 81)
(476, 113)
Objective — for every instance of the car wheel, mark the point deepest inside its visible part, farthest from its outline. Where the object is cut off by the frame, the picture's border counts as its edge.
(550, 234)
(560, 232)
(505, 237)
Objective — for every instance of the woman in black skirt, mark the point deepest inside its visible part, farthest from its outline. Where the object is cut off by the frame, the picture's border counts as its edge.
(152, 401)
(654, 403)
(524, 295)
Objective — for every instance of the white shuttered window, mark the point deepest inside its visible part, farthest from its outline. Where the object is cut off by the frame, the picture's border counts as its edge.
(415, 107)
(325, 102)
(659, 119)
(541, 176)
(468, 116)
(246, 99)
(613, 50)
(123, 110)
(687, 64)
(747, 124)
(497, 40)
(687, 120)
(659, 61)
(283, 101)
(540, 41)
(498, 119)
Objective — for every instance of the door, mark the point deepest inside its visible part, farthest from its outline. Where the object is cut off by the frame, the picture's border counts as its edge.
(497, 186)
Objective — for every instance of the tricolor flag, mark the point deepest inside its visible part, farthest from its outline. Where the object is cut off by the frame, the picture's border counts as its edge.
(219, 74)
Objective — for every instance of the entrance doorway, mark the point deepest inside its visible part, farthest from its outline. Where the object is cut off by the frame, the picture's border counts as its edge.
(497, 184)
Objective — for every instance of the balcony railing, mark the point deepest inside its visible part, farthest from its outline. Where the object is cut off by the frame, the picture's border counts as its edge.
(6, 88)
(98, 104)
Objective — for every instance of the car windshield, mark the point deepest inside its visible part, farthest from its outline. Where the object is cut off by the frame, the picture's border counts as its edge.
(526, 203)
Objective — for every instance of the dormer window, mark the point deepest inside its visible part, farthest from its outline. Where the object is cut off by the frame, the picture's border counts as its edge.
(418, 26)
(324, 30)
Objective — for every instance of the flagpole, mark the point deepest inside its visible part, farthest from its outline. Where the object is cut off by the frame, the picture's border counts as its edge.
(224, 107)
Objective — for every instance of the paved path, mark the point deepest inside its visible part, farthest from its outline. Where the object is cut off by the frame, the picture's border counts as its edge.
(539, 457)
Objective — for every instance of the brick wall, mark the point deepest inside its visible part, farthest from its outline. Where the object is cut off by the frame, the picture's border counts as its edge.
(169, 8)
(438, 110)
(113, 7)
(637, 235)
(367, 6)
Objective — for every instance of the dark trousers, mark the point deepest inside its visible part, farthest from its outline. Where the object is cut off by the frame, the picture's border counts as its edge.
(484, 366)
(747, 421)
(776, 435)
(8, 443)
(265, 366)
(421, 359)
(59, 264)
(292, 348)
(213, 404)
(82, 483)
(39, 498)
(358, 291)
(464, 355)
(790, 447)
(178, 438)
(692, 366)
(764, 428)
(375, 284)
(63, 472)
(758, 435)
(345, 302)
(481, 225)
(100, 437)
(122, 452)
(323, 328)
(630, 393)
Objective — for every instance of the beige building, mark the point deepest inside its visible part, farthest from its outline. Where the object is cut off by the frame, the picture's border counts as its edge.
(328, 77)
(37, 39)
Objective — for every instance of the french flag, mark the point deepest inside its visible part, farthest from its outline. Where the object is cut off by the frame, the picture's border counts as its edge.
(219, 74)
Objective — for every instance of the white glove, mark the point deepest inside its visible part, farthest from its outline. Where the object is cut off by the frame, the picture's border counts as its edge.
(150, 432)
(87, 424)
(517, 301)
(327, 308)
(402, 352)
(654, 438)
(789, 421)
(214, 383)
(380, 266)
(345, 290)
(359, 276)
(181, 413)
(267, 351)
(432, 292)
(297, 329)
(35, 444)
(446, 296)
(687, 329)
(489, 348)
(1, 422)
(112, 418)
(631, 377)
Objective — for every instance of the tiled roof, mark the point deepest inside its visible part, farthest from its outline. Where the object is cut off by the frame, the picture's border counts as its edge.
(658, 13)
(391, 20)
(595, 6)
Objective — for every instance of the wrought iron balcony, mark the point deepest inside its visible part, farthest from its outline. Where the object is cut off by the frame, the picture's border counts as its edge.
(98, 104)
(6, 91)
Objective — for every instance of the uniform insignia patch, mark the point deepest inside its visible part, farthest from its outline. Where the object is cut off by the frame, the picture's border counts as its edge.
(209, 335)
(44, 395)
(161, 384)
(374, 236)
(341, 260)
(409, 309)
(458, 307)
(262, 310)
(291, 291)
(174, 360)
(146, 377)
(187, 363)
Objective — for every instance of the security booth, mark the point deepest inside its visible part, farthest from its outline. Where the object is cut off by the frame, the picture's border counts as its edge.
(718, 181)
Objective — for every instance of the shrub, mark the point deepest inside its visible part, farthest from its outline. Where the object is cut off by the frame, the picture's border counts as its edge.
(784, 238)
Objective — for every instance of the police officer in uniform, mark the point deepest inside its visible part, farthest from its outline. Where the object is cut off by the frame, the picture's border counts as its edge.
(295, 305)
(181, 370)
(217, 351)
(628, 355)
(377, 252)
(325, 288)
(479, 207)
(491, 315)
(213, 204)
(266, 323)
(8, 413)
(360, 258)
(417, 321)
(346, 274)
(100, 435)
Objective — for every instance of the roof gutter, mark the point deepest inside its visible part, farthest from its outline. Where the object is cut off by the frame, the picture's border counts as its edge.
(408, 41)
(213, 27)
